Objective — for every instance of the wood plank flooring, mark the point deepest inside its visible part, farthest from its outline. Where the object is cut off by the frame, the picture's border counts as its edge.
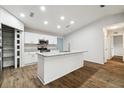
(117, 58)
(1, 78)
(91, 75)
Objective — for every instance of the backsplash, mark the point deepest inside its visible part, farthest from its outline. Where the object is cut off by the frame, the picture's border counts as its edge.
(33, 47)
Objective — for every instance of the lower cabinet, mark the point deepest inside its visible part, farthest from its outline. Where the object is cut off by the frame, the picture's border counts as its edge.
(30, 58)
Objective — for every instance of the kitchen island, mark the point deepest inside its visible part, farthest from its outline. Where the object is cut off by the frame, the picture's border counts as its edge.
(53, 65)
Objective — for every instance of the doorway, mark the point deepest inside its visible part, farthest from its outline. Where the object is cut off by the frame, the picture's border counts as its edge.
(7, 46)
(114, 43)
(10, 47)
(118, 48)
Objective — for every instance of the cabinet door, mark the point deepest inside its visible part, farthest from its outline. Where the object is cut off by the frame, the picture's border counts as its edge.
(52, 40)
(33, 57)
(30, 57)
(27, 58)
(35, 38)
(27, 37)
(31, 38)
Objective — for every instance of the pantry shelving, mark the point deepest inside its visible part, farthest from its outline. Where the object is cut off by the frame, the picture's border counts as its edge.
(8, 46)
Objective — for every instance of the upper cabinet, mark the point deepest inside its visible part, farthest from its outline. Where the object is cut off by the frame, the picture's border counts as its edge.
(30, 38)
(33, 38)
(51, 39)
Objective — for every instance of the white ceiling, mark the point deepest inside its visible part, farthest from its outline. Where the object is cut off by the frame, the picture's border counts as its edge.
(81, 14)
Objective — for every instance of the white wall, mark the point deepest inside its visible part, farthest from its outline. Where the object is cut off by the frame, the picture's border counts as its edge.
(118, 45)
(8, 19)
(91, 38)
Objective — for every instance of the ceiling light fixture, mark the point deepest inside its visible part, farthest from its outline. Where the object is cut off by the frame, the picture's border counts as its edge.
(22, 15)
(45, 22)
(72, 22)
(43, 8)
(62, 17)
(58, 26)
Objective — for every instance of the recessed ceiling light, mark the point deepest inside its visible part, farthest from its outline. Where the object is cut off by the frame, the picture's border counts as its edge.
(58, 26)
(22, 15)
(72, 22)
(45, 22)
(43, 8)
(62, 17)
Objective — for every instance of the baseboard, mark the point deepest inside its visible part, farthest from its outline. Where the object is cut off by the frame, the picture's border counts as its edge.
(93, 62)
(38, 76)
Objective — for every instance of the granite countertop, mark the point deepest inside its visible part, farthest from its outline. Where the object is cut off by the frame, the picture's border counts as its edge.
(50, 54)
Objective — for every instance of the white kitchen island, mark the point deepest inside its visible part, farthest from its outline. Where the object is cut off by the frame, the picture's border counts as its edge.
(54, 65)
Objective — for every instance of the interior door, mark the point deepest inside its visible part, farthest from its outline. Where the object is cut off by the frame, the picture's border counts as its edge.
(1, 49)
(112, 46)
(105, 45)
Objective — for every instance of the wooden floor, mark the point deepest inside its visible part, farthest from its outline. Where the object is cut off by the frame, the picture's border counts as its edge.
(1, 78)
(118, 58)
(91, 75)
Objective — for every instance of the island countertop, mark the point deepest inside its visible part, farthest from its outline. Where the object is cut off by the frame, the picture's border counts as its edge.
(50, 54)
(53, 65)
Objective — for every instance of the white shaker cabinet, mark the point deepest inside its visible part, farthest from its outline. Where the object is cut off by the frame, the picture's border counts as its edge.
(30, 58)
(33, 38)
(52, 40)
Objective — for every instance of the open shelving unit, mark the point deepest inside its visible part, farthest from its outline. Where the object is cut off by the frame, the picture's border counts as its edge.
(8, 46)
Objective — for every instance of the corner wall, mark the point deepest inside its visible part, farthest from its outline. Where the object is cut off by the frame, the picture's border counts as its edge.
(10, 20)
(91, 38)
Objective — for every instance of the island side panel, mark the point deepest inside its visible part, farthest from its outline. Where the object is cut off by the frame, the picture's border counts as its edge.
(58, 66)
(40, 68)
